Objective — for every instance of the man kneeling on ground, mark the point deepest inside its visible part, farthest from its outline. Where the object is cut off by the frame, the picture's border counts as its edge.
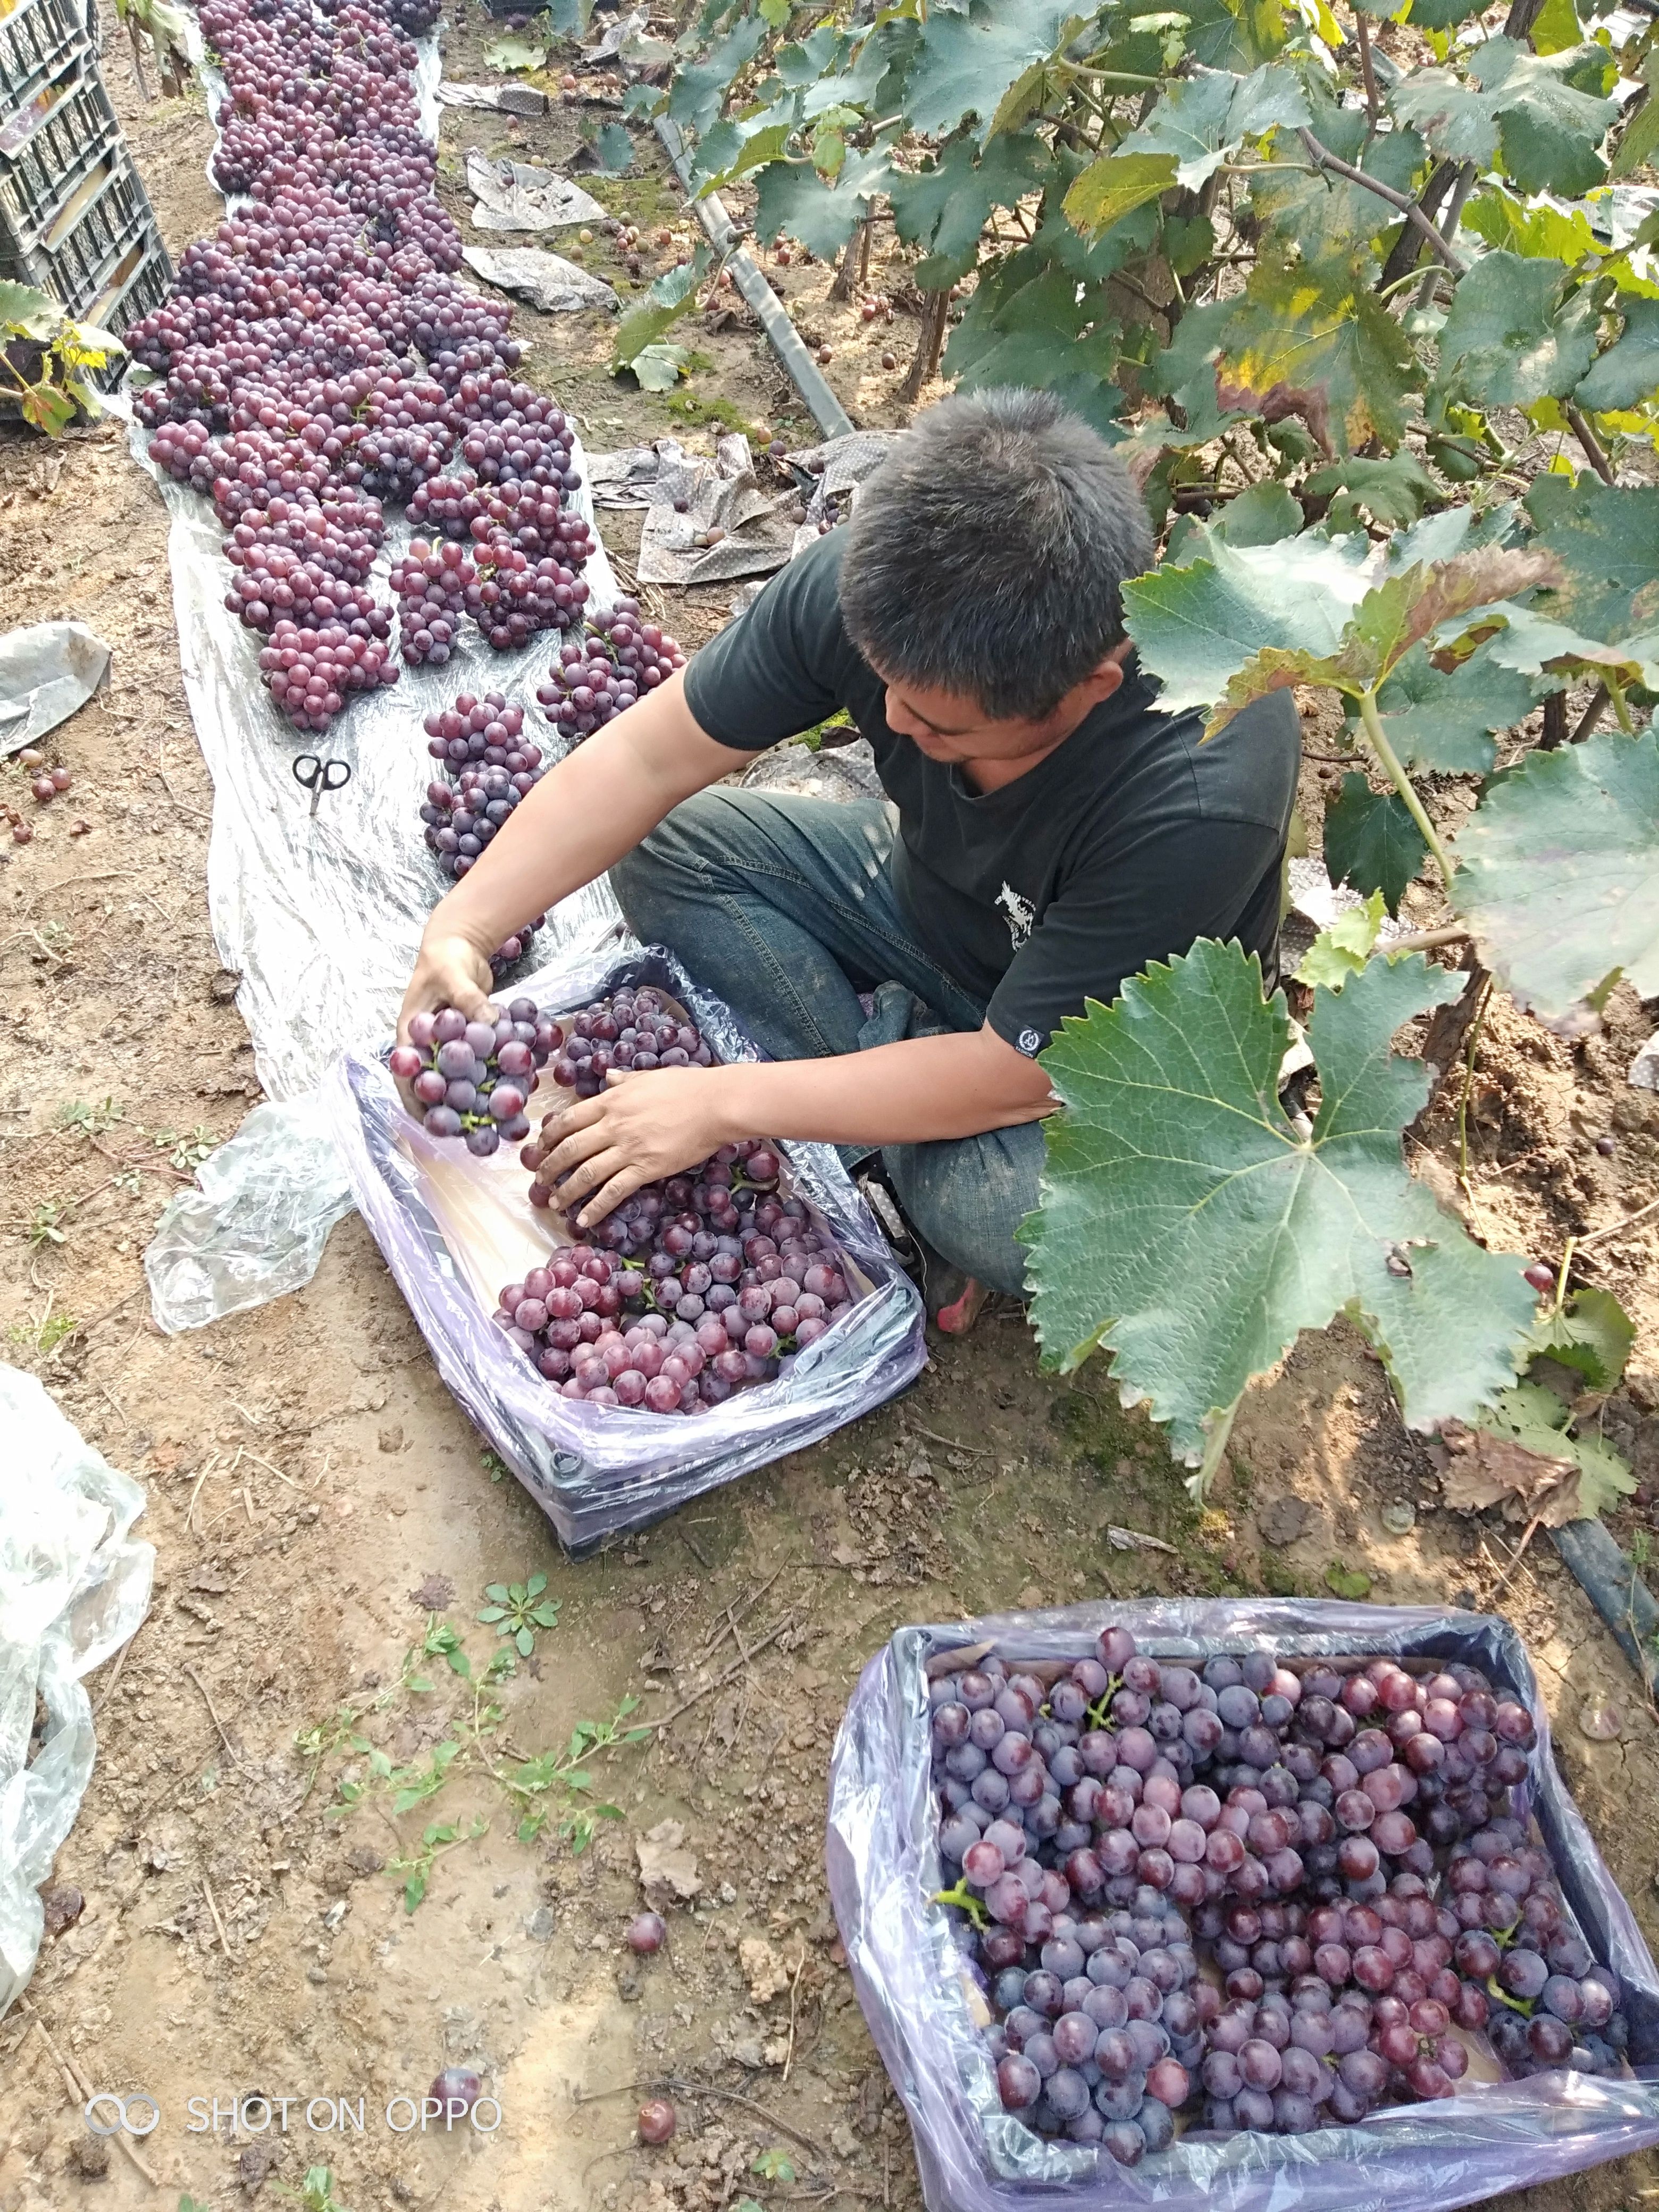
(1047, 832)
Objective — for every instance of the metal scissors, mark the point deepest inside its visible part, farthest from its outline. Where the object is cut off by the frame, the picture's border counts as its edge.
(321, 775)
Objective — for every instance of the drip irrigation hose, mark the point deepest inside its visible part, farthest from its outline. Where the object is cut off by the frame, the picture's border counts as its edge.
(826, 410)
(1610, 1579)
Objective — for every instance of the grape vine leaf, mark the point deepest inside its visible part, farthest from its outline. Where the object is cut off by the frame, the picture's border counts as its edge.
(1513, 334)
(1445, 723)
(1536, 107)
(1559, 876)
(699, 87)
(1545, 232)
(1344, 945)
(664, 303)
(1553, 1475)
(658, 367)
(1114, 187)
(792, 198)
(1184, 1227)
(965, 62)
(1202, 118)
(1604, 612)
(1312, 338)
(1627, 373)
(1592, 1335)
(1641, 140)
(1197, 628)
(944, 209)
(1372, 842)
(1392, 491)
(514, 51)
(1263, 514)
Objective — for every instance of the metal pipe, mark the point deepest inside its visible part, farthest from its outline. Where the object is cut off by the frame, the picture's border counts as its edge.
(826, 410)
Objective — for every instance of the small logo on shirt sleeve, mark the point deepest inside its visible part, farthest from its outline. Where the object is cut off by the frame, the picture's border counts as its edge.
(1031, 1041)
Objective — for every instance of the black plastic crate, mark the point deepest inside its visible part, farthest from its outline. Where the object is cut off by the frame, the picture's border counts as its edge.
(71, 130)
(90, 239)
(138, 282)
(37, 40)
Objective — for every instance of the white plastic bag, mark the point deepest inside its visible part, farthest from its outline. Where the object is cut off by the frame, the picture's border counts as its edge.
(74, 1586)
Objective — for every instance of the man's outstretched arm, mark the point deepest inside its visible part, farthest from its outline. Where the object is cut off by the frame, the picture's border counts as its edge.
(594, 805)
(646, 1126)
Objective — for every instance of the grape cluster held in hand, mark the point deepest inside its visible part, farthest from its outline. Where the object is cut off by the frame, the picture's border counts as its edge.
(473, 1078)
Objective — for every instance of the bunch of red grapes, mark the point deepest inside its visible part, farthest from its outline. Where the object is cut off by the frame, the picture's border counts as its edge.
(1341, 1846)
(491, 765)
(431, 584)
(604, 671)
(317, 356)
(473, 1078)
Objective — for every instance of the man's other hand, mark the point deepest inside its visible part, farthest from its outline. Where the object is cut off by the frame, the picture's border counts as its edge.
(642, 1127)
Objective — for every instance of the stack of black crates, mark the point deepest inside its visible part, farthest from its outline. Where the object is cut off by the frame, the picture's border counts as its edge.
(75, 221)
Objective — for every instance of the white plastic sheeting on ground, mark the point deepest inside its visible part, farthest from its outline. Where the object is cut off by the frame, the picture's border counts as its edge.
(73, 1585)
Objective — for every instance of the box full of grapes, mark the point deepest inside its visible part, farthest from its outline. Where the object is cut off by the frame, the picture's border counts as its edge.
(1254, 1905)
(713, 1322)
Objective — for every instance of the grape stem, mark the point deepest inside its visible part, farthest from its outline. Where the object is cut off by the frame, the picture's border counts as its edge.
(1097, 1715)
(962, 1897)
(1515, 2004)
(1403, 784)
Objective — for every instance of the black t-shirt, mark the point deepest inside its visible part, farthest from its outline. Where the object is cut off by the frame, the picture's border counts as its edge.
(1119, 848)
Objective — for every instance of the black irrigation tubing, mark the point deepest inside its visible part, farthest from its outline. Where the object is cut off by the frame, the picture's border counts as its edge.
(1610, 1581)
(826, 410)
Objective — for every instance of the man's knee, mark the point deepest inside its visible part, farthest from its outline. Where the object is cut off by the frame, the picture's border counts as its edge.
(968, 1197)
(667, 864)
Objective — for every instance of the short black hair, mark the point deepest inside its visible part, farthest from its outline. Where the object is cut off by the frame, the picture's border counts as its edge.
(987, 555)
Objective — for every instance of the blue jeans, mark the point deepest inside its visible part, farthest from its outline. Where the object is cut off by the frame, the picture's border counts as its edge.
(785, 908)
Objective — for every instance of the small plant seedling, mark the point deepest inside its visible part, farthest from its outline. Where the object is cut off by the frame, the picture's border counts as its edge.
(493, 1465)
(47, 1334)
(43, 1227)
(441, 1642)
(514, 1611)
(89, 1121)
(186, 1153)
(417, 1867)
(314, 2194)
(1346, 1582)
(774, 2165)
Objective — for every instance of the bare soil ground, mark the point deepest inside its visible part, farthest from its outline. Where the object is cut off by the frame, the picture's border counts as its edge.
(326, 1522)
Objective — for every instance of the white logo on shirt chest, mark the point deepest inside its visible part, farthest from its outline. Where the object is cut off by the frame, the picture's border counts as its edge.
(1018, 913)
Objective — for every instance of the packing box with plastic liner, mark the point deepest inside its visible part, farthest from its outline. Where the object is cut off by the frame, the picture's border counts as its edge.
(455, 1229)
(885, 1869)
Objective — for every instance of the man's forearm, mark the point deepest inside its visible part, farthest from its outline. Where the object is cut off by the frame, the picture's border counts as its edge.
(917, 1092)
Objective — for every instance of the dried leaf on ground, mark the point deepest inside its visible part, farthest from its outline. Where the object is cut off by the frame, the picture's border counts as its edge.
(668, 1872)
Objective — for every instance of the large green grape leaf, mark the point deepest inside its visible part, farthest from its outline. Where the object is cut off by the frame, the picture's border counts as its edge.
(1559, 876)
(792, 198)
(944, 209)
(1253, 619)
(1312, 338)
(699, 87)
(1372, 842)
(1604, 614)
(1627, 375)
(1538, 108)
(1184, 1227)
(1514, 335)
(1196, 628)
(1114, 187)
(964, 63)
(1445, 724)
(1203, 116)
(1541, 232)
(1263, 514)
(1391, 491)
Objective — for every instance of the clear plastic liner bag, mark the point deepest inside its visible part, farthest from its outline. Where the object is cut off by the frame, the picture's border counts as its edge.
(885, 1867)
(73, 1585)
(455, 1229)
(255, 1226)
